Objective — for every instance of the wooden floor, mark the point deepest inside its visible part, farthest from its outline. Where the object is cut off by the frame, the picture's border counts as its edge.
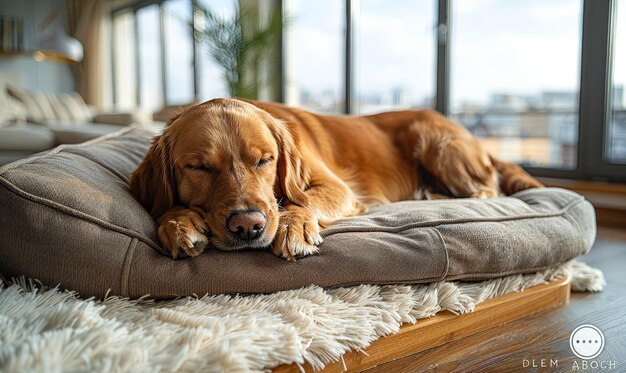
(544, 337)
(446, 327)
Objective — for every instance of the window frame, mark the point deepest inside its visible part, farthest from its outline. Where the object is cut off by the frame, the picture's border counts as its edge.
(133, 8)
(595, 83)
(597, 38)
(119, 12)
(603, 13)
(595, 94)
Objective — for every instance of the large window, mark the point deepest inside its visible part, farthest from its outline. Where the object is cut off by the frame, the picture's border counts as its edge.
(179, 46)
(530, 78)
(125, 89)
(395, 54)
(617, 131)
(153, 55)
(541, 83)
(515, 77)
(314, 59)
(150, 74)
(211, 83)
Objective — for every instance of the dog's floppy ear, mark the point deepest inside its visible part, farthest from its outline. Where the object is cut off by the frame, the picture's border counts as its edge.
(152, 183)
(175, 115)
(291, 171)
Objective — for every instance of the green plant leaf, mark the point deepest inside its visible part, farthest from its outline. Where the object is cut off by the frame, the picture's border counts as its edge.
(241, 45)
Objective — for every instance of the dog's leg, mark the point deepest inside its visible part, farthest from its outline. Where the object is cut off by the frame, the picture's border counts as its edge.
(182, 229)
(463, 167)
(452, 156)
(328, 199)
(459, 163)
(513, 178)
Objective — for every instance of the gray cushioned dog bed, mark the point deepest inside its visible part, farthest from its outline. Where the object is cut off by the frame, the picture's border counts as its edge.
(67, 217)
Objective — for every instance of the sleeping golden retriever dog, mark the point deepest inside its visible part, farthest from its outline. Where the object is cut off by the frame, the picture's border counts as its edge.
(244, 174)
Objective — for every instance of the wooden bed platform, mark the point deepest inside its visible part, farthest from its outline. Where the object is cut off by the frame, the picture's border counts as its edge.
(446, 327)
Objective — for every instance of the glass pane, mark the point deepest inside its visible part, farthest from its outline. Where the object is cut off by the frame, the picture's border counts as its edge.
(395, 55)
(515, 77)
(211, 81)
(314, 54)
(124, 61)
(179, 52)
(617, 131)
(150, 74)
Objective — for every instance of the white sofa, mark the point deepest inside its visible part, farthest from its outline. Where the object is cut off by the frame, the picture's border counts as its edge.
(31, 122)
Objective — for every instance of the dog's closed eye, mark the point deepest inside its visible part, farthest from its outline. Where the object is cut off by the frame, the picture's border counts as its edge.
(201, 167)
(263, 161)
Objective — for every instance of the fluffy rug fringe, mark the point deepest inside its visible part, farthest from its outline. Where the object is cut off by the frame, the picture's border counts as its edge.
(51, 330)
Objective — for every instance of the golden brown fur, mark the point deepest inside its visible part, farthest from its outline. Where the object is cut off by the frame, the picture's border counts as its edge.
(231, 155)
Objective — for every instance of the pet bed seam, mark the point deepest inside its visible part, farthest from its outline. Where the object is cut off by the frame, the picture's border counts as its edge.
(134, 234)
(579, 230)
(115, 173)
(126, 266)
(477, 275)
(438, 223)
(76, 213)
(462, 278)
(445, 249)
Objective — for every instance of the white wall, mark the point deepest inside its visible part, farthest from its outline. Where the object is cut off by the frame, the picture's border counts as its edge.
(30, 74)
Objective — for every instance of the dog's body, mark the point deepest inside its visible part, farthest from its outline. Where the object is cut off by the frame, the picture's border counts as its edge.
(222, 168)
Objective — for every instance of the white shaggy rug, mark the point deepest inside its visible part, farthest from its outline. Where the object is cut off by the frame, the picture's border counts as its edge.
(53, 330)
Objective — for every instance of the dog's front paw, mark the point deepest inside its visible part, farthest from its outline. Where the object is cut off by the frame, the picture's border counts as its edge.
(183, 230)
(298, 235)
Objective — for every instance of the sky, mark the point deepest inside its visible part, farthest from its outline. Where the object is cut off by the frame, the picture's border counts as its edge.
(150, 57)
(396, 46)
(514, 46)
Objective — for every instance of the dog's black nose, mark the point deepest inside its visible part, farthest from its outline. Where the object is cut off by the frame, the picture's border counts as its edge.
(246, 225)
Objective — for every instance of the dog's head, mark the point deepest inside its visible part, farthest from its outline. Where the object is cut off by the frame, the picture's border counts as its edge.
(231, 162)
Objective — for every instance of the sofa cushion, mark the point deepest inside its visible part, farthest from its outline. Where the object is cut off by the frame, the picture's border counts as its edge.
(76, 107)
(60, 111)
(69, 218)
(26, 137)
(74, 132)
(8, 156)
(123, 118)
(52, 107)
(11, 110)
(38, 108)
